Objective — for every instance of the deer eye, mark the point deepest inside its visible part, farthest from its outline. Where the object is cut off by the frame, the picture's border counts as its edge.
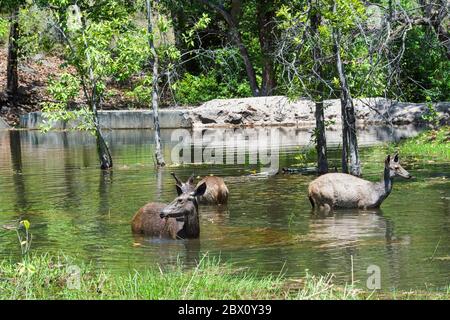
(180, 200)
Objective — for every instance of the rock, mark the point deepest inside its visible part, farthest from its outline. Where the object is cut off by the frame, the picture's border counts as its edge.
(206, 120)
(234, 118)
(278, 110)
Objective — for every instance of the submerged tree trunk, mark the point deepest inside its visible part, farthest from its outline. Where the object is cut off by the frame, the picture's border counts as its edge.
(237, 39)
(154, 61)
(104, 154)
(349, 139)
(12, 74)
(266, 28)
(321, 142)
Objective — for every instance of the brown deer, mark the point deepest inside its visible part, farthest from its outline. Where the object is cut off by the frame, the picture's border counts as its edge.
(216, 189)
(179, 219)
(340, 190)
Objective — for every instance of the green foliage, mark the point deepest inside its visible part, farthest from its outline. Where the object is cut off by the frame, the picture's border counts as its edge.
(197, 89)
(141, 94)
(431, 116)
(4, 31)
(111, 39)
(425, 62)
(201, 24)
(64, 92)
(36, 35)
(131, 52)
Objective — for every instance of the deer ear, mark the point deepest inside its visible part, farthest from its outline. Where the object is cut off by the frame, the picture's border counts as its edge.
(200, 190)
(388, 160)
(178, 181)
(396, 157)
(179, 190)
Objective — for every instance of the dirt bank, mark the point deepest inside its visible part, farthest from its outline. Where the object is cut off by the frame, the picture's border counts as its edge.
(34, 73)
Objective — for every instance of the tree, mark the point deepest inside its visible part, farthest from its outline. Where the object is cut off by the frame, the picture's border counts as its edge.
(319, 132)
(12, 77)
(237, 40)
(88, 35)
(265, 13)
(155, 77)
(349, 139)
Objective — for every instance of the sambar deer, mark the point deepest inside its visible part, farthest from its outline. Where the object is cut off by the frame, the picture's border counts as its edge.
(340, 190)
(216, 189)
(179, 219)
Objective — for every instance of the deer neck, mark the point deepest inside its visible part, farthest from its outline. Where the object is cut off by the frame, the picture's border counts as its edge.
(384, 187)
(191, 228)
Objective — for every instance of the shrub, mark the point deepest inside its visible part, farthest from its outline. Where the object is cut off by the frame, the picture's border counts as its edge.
(4, 31)
(194, 90)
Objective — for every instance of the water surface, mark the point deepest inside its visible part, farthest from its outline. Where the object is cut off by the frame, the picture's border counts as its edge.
(53, 180)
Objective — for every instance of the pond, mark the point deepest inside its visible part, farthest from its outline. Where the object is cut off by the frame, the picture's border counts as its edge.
(53, 180)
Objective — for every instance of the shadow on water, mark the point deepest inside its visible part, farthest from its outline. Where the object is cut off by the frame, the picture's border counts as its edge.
(53, 180)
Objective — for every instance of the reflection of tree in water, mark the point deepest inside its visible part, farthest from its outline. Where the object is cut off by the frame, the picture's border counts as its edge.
(70, 183)
(104, 190)
(21, 205)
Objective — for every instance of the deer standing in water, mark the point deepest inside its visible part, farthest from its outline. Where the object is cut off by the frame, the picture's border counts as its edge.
(216, 189)
(179, 219)
(340, 190)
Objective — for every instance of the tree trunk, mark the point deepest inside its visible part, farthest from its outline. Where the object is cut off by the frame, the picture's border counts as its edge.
(103, 151)
(154, 61)
(344, 157)
(102, 148)
(321, 142)
(266, 29)
(104, 154)
(237, 39)
(349, 139)
(12, 75)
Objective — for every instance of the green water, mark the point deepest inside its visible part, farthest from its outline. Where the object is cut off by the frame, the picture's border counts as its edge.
(53, 181)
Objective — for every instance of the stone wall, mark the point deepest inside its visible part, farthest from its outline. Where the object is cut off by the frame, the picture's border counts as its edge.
(118, 119)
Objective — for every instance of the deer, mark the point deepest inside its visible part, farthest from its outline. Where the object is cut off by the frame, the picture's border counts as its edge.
(216, 189)
(339, 190)
(176, 220)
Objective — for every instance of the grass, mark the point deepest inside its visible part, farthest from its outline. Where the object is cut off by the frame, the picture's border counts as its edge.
(52, 277)
(429, 145)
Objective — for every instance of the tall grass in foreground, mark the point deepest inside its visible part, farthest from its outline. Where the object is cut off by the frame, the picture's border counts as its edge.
(52, 277)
